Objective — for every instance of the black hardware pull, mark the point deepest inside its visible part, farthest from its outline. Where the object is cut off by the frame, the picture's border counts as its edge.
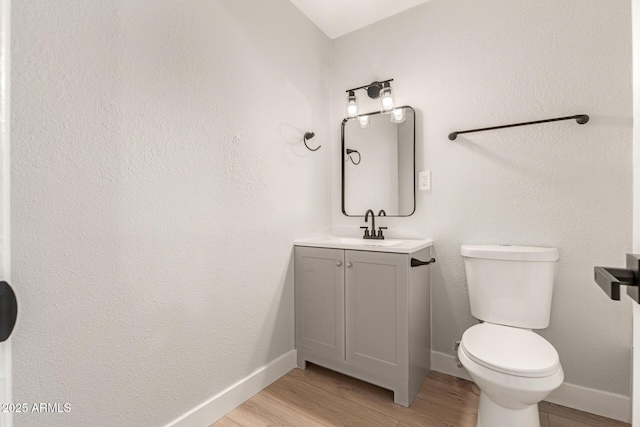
(8, 310)
(418, 263)
(610, 280)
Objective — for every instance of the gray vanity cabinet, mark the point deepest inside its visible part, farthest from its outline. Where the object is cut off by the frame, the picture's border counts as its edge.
(365, 314)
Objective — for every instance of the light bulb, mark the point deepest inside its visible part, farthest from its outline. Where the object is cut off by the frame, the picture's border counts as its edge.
(397, 115)
(352, 110)
(352, 105)
(386, 98)
(364, 121)
(387, 103)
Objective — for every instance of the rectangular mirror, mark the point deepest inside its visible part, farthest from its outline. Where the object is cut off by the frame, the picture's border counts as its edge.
(378, 163)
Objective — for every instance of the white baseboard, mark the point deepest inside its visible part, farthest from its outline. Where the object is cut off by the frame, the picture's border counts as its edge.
(610, 405)
(635, 351)
(233, 396)
(447, 364)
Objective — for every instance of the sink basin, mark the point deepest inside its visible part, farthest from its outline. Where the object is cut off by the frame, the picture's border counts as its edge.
(406, 246)
(369, 242)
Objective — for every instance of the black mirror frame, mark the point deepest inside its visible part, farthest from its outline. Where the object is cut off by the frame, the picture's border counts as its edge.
(344, 122)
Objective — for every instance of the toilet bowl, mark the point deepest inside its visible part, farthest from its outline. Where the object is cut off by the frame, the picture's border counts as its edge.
(514, 369)
(510, 290)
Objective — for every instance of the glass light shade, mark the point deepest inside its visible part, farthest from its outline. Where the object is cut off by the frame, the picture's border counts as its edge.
(397, 115)
(364, 121)
(352, 105)
(386, 99)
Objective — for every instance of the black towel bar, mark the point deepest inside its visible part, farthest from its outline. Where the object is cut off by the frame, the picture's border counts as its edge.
(579, 118)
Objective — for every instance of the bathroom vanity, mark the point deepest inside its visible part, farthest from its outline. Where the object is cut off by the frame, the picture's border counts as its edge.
(362, 308)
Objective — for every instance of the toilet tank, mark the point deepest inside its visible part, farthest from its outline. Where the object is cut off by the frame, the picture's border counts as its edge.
(511, 285)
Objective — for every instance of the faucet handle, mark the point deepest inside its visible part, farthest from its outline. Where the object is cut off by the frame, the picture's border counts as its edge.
(366, 231)
(380, 235)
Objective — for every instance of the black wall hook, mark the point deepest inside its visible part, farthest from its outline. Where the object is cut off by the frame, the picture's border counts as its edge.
(307, 136)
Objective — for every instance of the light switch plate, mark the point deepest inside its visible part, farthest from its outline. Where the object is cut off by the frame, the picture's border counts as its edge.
(424, 180)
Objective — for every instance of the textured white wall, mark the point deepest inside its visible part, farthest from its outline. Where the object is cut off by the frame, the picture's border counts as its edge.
(6, 418)
(465, 64)
(636, 131)
(159, 179)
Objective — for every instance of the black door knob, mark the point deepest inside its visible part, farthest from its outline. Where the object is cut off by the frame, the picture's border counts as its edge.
(8, 310)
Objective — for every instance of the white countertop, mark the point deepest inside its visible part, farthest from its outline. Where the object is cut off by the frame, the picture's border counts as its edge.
(403, 246)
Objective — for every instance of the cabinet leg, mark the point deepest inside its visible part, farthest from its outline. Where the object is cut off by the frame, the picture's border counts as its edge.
(401, 397)
(301, 362)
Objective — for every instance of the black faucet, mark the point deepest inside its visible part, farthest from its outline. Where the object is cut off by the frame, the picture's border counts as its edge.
(373, 234)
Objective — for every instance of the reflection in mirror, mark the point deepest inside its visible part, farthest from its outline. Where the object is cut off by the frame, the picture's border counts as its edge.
(378, 165)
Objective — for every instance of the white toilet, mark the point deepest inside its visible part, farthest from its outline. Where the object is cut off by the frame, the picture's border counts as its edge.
(510, 290)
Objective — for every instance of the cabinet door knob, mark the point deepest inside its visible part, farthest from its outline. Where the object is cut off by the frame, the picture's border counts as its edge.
(338, 263)
(348, 265)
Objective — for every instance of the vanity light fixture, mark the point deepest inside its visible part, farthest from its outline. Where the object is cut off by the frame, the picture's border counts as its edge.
(375, 90)
(364, 121)
(352, 104)
(397, 115)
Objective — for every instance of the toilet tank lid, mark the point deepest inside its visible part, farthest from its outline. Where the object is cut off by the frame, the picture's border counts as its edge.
(514, 253)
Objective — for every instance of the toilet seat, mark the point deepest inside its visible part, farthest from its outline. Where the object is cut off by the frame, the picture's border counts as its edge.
(513, 351)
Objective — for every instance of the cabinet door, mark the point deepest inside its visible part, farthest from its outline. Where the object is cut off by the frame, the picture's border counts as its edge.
(319, 300)
(376, 311)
